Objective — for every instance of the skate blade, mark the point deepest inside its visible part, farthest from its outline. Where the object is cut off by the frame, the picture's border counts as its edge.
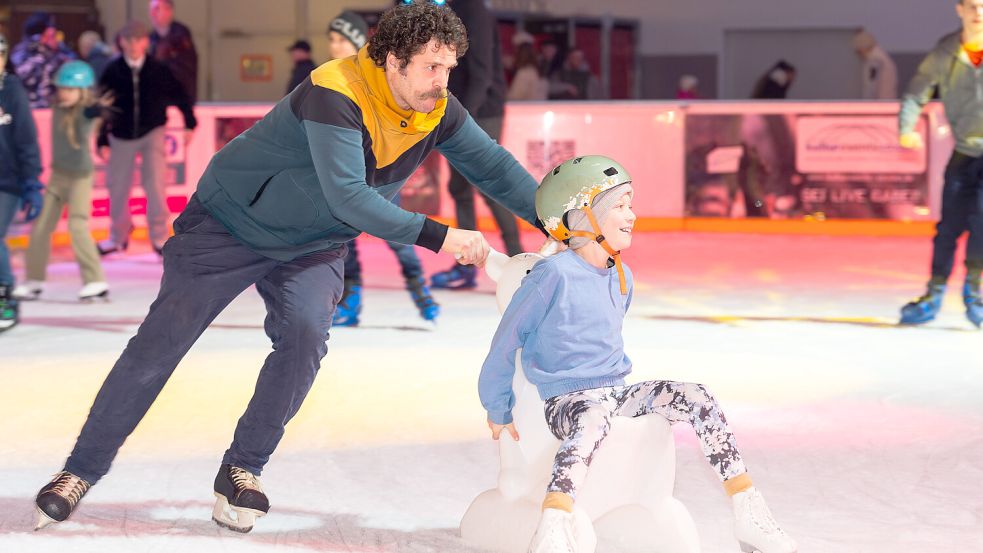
(43, 520)
(233, 518)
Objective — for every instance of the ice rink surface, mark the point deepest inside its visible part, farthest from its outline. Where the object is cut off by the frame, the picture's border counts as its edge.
(863, 436)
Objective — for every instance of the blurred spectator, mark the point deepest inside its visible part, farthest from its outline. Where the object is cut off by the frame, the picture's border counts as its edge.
(527, 82)
(550, 60)
(172, 45)
(347, 33)
(95, 52)
(38, 56)
(775, 83)
(880, 75)
(300, 53)
(142, 89)
(478, 82)
(574, 81)
(687, 89)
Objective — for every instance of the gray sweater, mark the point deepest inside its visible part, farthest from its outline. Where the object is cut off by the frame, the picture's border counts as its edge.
(960, 86)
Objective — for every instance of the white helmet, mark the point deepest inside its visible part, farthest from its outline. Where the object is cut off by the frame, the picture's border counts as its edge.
(3, 46)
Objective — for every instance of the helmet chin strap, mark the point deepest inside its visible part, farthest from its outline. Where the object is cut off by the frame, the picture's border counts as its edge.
(596, 236)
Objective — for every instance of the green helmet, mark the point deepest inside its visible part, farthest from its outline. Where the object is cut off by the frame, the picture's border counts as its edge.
(574, 184)
(75, 74)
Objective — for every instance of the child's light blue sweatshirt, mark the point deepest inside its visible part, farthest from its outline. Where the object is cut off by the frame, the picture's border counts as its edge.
(566, 317)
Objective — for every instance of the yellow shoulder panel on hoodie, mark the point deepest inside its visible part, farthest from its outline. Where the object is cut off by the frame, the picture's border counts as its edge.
(392, 129)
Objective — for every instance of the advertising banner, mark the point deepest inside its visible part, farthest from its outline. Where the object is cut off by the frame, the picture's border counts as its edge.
(794, 165)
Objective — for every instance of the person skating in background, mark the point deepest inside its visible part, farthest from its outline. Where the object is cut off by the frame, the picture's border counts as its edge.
(142, 88)
(275, 208)
(38, 56)
(19, 172)
(479, 84)
(567, 318)
(300, 54)
(171, 44)
(347, 34)
(953, 68)
(69, 184)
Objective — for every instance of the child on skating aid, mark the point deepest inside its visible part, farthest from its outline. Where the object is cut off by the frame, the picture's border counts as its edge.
(20, 167)
(72, 118)
(567, 317)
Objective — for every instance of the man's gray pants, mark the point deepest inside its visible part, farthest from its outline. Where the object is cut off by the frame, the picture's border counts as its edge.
(205, 268)
(119, 182)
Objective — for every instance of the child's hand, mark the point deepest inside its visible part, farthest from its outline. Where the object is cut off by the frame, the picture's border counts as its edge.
(107, 99)
(103, 152)
(497, 430)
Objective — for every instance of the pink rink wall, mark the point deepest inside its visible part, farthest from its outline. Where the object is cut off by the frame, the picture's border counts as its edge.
(648, 138)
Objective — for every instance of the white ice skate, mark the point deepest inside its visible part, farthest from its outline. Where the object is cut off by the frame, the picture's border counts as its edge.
(239, 499)
(554, 534)
(755, 528)
(93, 291)
(29, 291)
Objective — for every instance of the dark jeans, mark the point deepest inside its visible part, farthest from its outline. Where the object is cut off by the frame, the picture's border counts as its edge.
(409, 262)
(961, 212)
(463, 194)
(205, 268)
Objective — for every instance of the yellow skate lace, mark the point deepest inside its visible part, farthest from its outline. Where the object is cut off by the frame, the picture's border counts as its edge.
(70, 487)
(244, 480)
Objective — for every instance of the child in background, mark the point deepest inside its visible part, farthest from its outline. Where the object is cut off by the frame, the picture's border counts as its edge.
(567, 318)
(72, 118)
(20, 167)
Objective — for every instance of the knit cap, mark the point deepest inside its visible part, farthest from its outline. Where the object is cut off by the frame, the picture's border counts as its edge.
(351, 26)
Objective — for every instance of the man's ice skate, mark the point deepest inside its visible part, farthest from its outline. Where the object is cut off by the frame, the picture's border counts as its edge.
(925, 308)
(429, 308)
(108, 246)
(93, 291)
(974, 303)
(239, 499)
(8, 309)
(755, 528)
(458, 277)
(348, 309)
(554, 533)
(58, 499)
(29, 291)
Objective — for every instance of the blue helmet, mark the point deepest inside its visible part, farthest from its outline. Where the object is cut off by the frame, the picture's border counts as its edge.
(75, 74)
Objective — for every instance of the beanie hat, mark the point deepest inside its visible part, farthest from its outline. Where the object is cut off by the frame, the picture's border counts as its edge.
(351, 26)
(601, 208)
(37, 22)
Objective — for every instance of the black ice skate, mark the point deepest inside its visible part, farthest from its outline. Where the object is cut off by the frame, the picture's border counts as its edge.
(239, 499)
(56, 501)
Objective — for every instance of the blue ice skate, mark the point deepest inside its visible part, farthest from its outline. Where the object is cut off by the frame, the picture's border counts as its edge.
(429, 309)
(925, 308)
(974, 304)
(458, 277)
(350, 306)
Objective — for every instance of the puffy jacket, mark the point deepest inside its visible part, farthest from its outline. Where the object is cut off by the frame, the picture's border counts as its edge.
(20, 156)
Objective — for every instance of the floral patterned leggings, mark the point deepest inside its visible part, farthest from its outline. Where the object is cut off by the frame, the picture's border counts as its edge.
(582, 421)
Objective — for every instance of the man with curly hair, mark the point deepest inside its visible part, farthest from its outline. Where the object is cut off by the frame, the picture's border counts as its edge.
(275, 208)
